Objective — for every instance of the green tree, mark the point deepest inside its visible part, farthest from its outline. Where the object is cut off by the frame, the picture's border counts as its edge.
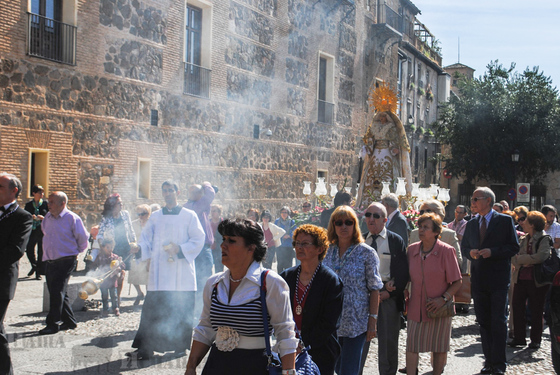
(498, 113)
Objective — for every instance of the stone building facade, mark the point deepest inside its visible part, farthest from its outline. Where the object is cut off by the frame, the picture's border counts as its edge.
(256, 96)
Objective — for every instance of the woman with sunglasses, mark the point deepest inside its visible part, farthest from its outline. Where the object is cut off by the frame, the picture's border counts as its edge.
(316, 296)
(357, 264)
(139, 273)
(116, 223)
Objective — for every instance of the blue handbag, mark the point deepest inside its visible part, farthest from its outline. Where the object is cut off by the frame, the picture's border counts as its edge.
(304, 363)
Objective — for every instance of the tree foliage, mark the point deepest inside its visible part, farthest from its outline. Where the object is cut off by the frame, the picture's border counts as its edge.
(498, 113)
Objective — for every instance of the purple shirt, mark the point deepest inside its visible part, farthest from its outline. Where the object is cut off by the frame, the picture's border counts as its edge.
(459, 227)
(65, 235)
(202, 209)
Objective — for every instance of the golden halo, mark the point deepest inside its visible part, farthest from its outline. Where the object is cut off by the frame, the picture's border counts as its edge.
(383, 99)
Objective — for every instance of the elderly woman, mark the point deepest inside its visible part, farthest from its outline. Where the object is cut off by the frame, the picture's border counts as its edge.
(534, 249)
(232, 308)
(435, 259)
(139, 274)
(272, 236)
(357, 264)
(448, 236)
(316, 296)
(116, 224)
(521, 213)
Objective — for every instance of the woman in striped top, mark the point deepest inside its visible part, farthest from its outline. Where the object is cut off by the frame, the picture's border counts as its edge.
(231, 324)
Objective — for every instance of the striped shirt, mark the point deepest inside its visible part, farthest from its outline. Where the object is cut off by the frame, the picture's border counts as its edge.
(245, 318)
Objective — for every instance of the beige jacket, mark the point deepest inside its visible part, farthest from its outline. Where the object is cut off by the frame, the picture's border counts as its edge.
(277, 233)
(448, 236)
(524, 259)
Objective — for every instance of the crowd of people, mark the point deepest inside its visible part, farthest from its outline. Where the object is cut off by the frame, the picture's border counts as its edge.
(340, 281)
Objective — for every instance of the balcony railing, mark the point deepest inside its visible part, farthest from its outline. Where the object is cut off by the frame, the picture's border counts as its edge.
(197, 81)
(51, 40)
(391, 18)
(325, 112)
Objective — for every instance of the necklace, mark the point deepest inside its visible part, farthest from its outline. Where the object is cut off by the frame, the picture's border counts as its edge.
(299, 301)
(426, 253)
(233, 280)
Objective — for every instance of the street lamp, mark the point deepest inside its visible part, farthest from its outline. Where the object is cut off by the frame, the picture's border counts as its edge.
(515, 161)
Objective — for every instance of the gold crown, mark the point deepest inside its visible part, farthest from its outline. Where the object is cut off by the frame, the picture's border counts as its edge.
(383, 99)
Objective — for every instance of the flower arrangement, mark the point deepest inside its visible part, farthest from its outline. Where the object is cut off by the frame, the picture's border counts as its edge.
(310, 217)
(411, 218)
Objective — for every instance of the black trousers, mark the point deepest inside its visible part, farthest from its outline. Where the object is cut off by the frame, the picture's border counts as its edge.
(490, 307)
(58, 273)
(5, 359)
(36, 238)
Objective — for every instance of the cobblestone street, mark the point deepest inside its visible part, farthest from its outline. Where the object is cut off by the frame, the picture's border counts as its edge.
(99, 343)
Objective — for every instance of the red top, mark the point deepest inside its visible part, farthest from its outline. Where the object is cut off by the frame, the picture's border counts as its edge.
(299, 318)
(268, 237)
(526, 271)
(440, 270)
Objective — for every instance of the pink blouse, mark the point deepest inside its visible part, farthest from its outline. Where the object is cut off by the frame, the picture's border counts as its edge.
(440, 270)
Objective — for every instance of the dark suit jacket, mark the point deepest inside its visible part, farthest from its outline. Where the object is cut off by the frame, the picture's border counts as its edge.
(399, 267)
(321, 312)
(14, 234)
(43, 210)
(492, 273)
(399, 225)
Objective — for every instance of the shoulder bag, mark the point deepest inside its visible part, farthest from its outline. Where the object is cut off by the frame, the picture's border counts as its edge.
(304, 363)
(544, 273)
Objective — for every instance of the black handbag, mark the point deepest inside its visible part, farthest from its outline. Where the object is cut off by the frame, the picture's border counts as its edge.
(544, 273)
(304, 363)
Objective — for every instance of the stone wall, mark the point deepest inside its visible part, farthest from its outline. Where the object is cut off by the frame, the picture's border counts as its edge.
(250, 24)
(246, 89)
(134, 60)
(139, 19)
(250, 57)
(297, 72)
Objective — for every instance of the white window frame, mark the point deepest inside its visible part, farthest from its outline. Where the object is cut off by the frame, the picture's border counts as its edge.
(143, 183)
(206, 32)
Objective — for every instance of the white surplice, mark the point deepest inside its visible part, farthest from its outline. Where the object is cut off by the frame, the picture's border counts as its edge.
(184, 230)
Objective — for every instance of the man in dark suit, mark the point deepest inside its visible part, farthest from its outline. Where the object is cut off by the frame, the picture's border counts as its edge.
(489, 243)
(15, 227)
(37, 207)
(396, 222)
(393, 269)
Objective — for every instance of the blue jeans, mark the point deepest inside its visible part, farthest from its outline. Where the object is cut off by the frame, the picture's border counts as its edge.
(350, 355)
(105, 292)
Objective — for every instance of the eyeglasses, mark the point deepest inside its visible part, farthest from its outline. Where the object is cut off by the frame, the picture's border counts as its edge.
(306, 206)
(142, 214)
(459, 212)
(301, 244)
(375, 215)
(425, 211)
(348, 223)
(476, 199)
(283, 212)
(522, 218)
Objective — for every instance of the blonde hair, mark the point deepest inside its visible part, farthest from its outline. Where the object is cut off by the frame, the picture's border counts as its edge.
(343, 213)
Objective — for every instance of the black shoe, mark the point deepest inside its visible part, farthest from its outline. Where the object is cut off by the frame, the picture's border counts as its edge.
(31, 272)
(139, 354)
(49, 330)
(516, 344)
(487, 370)
(403, 370)
(37, 277)
(498, 372)
(535, 345)
(67, 326)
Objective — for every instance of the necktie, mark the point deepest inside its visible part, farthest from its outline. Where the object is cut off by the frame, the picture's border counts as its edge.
(373, 238)
(482, 228)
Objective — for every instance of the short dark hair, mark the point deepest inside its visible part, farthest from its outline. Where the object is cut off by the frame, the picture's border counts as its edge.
(110, 204)
(250, 231)
(547, 208)
(266, 213)
(36, 189)
(342, 197)
(537, 220)
(465, 211)
(171, 183)
(14, 182)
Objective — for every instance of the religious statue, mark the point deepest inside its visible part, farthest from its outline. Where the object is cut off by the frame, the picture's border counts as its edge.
(386, 150)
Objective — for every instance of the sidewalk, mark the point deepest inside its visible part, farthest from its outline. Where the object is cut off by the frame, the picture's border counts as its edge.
(98, 344)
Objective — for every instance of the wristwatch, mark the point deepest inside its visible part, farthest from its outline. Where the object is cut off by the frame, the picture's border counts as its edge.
(289, 372)
(445, 298)
(374, 316)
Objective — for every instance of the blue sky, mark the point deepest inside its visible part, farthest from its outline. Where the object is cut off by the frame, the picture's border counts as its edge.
(517, 31)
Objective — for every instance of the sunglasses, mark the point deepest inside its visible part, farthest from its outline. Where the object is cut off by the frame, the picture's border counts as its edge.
(307, 206)
(476, 199)
(425, 211)
(142, 214)
(375, 215)
(348, 223)
(523, 218)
